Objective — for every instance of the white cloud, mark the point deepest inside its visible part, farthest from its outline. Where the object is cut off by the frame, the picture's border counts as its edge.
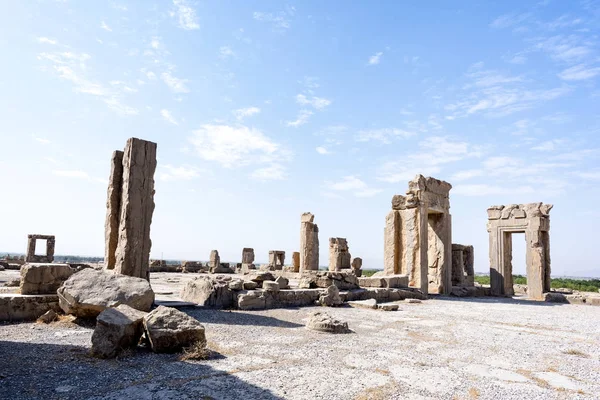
(149, 74)
(322, 150)
(509, 20)
(466, 175)
(182, 173)
(236, 146)
(105, 27)
(280, 21)
(42, 140)
(225, 52)
(176, 85)
(155, 42)
(384, 135)
(185, 14)
(302, 119)
(318, 103)
(375, 58)
(71, 174)
(549, 145)
(115, 104)
(579, 73)
(488, 190)
(242, 113)
(274, 172)
(166, 114)
(351, 183)
(46, 40)
(563, 48)
(593, 175)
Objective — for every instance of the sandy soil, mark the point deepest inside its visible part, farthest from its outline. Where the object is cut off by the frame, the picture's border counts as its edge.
(439, 349)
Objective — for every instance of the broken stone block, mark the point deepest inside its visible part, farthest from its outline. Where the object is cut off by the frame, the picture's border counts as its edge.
(271, 286)
(396, 281)
(250, 285)
(284, 283)
(252, 300)
(357, 266)
(307, 282)
(331, 297)
(49, 316)
(343, 280)
(371, 282)
(260, 277)
(276, 259)
(192, 266)
(89, 292)
(132, 255)
(208, 292)
(31, 257)
(43, 278)
(323, 322)
(247, 255)
(214, 260)
(117, 329)
(339, 255)
(236, 284)
(370, 303)
(388, 307)
(169, 330)
(223, 268)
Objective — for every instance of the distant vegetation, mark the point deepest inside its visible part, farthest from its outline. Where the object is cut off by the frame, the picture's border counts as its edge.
(583, 285)
(369, 272)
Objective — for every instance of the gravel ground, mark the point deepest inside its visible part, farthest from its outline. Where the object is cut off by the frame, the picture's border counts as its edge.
(439, 349)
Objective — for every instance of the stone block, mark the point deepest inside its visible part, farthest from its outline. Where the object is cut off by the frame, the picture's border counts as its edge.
(17, 307)
(117, 329)
(43, 278)
(170, 330)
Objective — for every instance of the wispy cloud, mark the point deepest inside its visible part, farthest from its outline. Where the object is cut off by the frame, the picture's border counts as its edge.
(280, 21)
(226, 52)
(302, 119)
(242, 113)
(46, 40)
(384, 135)
(42, 140)
(169, 172)
(510, 20)
(176, 85)
(274, 172)
(318, 103)
(353, 184)
(166, 114)
(105, 27)
(375, 58)
(185, 14)
(579, 73)
(322, 150)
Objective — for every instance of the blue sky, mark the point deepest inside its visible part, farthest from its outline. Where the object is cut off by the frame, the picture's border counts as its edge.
(263, 110)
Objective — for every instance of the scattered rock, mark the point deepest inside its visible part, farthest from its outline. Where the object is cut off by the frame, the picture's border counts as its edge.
(388, 307)
(323, 322)
(307, 282)
(331, 297)
(370, 303)
(412, 301)
(209, 292)
(249, 285)
(271, 286)
(13, 283)
(117, 329)
(170, 330)
(89, 292)
(284, 283)
(236, 284)
(260, 277)
(49, 316)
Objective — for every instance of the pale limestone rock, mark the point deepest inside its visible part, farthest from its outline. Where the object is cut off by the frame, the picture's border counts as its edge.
(388, 307)
(247, 255)
(170, 330)
(343, 280)
(132, 256)
(89, 292)
(357, 266)
(214, 261)
(283, 282)
(250, 285)
(271, 286)
(260, 277)
(43, 278)
(309, 243)
(339, 255)
(276, 260)
(412, 301)
(331, 297)
(113, 209)
(323, 322)
(370, 303)
(117, 329)
(48, 317)
(252, 300)
(236, 284)
(296, 261)
(209, 292)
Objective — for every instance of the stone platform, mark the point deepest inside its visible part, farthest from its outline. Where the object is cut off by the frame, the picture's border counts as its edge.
(20, 307)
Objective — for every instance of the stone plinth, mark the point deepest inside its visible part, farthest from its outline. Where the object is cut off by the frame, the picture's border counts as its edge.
(339, 254)
(44, 278)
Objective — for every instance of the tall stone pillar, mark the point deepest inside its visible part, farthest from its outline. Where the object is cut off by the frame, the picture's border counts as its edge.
(391, 243)
(309, 243)
(113, 209)
(296, 261)
(132, 255)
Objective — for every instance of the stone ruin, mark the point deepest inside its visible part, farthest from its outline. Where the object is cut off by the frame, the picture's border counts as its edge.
(357, 266)
(533, 219)
(48, 257)
(276, 259)
(129, 209)
(418, 235)
(309, 243)
(339, 255)
(248, 258)
(463, 271)
(295, 262)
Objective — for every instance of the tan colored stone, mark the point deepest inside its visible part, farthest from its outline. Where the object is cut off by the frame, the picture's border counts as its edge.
(309, 243)
(339, 255)
(43, 278)
(296, 261)
(113, 209)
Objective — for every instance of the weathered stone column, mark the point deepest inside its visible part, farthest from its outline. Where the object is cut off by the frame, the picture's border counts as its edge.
(296, 261)
(247, 255)
(458, 266)
(339, 257)
(391, 243)
(113, 209)
(309, 243)
(137, 207)
(215, 261)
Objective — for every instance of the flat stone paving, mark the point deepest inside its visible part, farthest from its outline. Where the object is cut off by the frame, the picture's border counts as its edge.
(438, 349)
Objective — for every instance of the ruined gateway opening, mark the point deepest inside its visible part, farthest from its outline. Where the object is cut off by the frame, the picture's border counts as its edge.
(40, 247)
(435, 251)
(519, 261)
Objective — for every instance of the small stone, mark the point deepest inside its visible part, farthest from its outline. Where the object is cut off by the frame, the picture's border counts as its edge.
(323, 322)
(48, 317)
(170, 330)
(414, 301)
(271, 286)
(370, 303)
(388, 307)
(284, 283)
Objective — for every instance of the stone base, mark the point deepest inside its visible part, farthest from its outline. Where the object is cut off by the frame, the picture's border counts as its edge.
(386, 281)
(581, 298)
(18, 307)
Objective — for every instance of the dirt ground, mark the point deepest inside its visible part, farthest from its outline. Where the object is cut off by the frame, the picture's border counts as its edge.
(440, 349)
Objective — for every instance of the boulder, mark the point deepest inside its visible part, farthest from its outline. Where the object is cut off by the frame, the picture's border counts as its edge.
(271, 286)
(307, 282)
(343, 280)
(209, 292)
(117, 329)
(323, 322)
(370, 303)
(252, 300)
(236, 284)
(331, 297)
(44, 278)
(89, 292)
(170, 330)
(260, 277)
(284, 283)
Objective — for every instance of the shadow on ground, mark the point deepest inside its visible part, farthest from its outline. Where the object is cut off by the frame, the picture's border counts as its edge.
(237, 318)
(498, 300)
(50, 371)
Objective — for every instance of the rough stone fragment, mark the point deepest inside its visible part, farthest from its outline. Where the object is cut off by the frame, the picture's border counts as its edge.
(376, 282)
(137, 206)
(192, 266)
(247, 255)
(47, 317)
(89, 292)
(170, 330)
(331, 297)
(260, 277)
(339, 255)
(283, 282)
(276, 259)
(236, 284)
(412, 301)
(43, 278)
(250, 285)
(17, 307)
(117, 329)
(343, 280)
(388, 306)
(113, 209)
(370, 303)
(395, 281)
(214, 260)
(296, 261)
(270, 286)
(307, 282)
(323, 322)
(357, 266)
(208, 292)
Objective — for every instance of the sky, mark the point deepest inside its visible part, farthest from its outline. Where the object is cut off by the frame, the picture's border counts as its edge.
(263, 110)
